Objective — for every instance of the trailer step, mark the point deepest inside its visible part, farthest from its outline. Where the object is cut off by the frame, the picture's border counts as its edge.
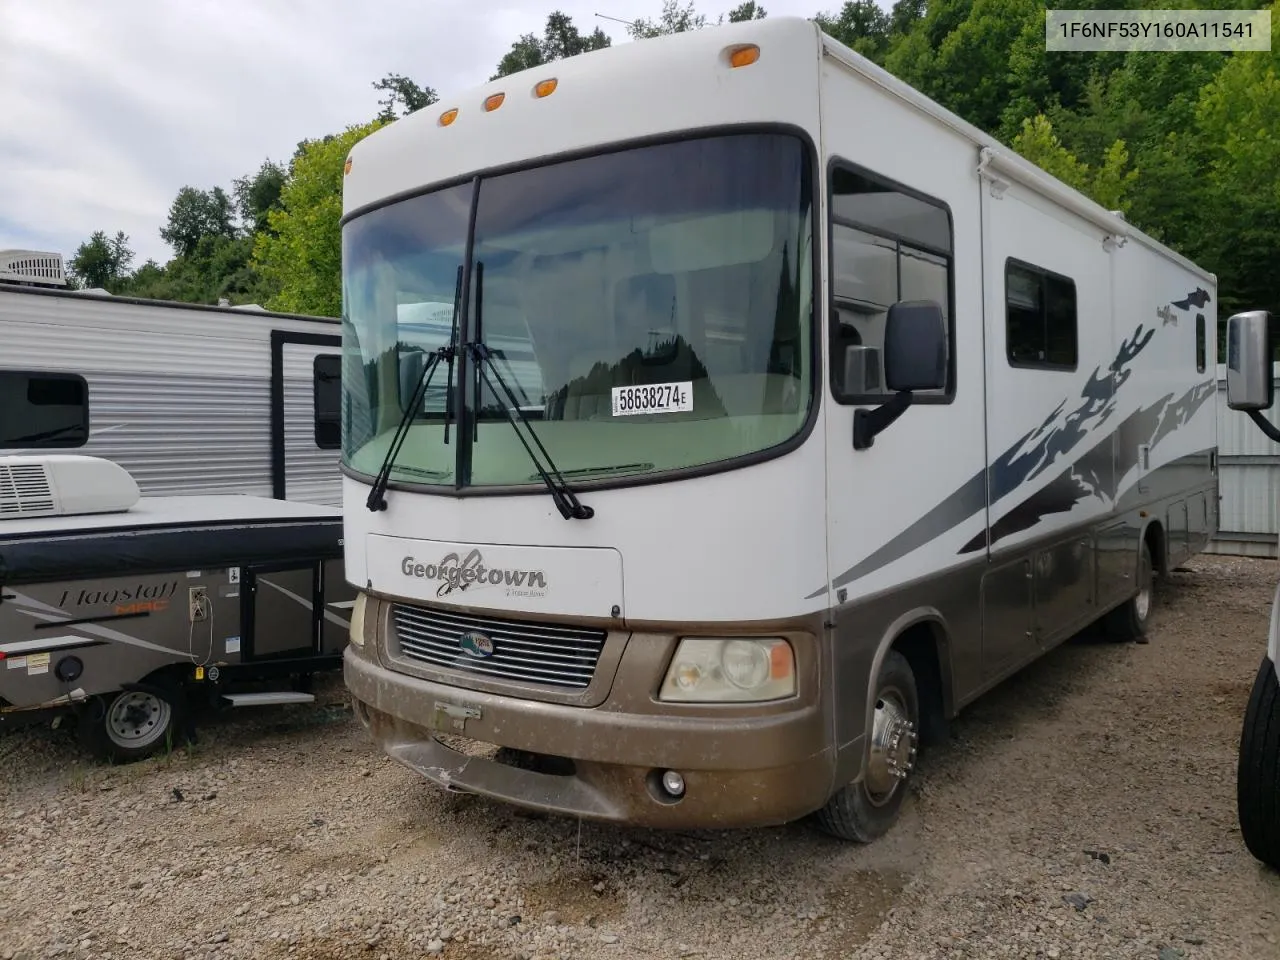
(267, 699)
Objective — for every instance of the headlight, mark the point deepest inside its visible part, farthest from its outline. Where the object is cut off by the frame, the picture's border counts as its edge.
(356, 630)
(722, 670)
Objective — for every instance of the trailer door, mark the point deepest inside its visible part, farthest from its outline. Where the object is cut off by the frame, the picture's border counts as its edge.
(305, 397)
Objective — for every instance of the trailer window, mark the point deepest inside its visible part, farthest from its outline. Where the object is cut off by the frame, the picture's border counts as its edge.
(1201, 346)
(1041, 323)
(327, 391)
(888, 245)
(43, 410)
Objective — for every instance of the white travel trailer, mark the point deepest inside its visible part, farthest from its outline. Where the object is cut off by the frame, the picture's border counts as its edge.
(189, 399)
(844, 413)
(1251, 350)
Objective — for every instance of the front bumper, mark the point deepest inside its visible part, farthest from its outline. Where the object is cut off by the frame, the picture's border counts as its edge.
(740, 768)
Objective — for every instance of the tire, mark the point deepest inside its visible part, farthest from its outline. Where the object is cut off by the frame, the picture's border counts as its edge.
(864, 811)
(1258, 769)
(1127, 623)
(130, 725)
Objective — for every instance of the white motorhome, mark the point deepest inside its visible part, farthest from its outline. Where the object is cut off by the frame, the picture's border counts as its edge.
(844, 413)
(188, 398)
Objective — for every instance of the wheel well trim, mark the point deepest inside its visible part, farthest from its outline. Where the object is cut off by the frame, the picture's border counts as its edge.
(920, 616)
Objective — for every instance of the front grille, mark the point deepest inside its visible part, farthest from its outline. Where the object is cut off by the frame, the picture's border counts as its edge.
(523, 651)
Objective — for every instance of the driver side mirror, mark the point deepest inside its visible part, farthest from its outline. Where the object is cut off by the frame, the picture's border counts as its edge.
(915, 358)
(915, 347)
(1250, 385)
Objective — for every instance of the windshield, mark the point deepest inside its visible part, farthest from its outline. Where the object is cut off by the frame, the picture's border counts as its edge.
(649, 309)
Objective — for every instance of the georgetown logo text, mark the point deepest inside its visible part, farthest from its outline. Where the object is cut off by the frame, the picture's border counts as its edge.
(456, 573)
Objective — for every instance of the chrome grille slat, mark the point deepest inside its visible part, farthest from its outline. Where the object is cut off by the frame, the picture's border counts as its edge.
(544, 631)
(452, 652)
(461, 661)
(451, 637)
(526, 652)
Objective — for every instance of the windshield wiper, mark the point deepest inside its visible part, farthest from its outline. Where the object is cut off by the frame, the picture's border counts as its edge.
(566, 502)
(378, 494)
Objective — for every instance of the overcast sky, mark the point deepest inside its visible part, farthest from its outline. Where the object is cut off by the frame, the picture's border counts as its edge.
(111, 106)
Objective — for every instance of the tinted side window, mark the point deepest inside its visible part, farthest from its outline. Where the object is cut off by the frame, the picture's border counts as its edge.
(43, 410)
(1201, 346)
(887, 246)
(1041, 321)
(327, 372)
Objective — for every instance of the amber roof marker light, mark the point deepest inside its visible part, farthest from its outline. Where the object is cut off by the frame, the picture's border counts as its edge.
(493, 101)
(545, 88)
(743, 55)
(346, 167)
(448, 116)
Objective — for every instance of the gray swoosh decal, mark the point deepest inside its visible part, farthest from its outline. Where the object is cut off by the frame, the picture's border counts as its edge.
(1027, 458)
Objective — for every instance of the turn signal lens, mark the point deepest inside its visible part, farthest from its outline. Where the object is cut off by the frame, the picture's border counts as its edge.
(544, 88)
(356, 631)
(493, 101)
(744, 56)
(448, 116)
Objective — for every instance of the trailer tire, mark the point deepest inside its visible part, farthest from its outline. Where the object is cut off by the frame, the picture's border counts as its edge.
(865, 810)
(1127, 623)
(134, 723)
(1258, 769)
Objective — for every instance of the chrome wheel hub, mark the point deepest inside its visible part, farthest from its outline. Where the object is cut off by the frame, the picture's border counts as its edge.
(893, 747)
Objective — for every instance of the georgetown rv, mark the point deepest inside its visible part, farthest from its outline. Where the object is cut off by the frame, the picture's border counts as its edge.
(131, 611)
(190, 399)
(783, 414)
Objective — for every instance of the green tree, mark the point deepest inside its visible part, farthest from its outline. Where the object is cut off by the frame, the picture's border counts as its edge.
(860, 25)
(302, 255)
(673, 19)
(195, 214)
(750, 10)
(102, 262)
(560, 38)
(403, 96)
(1109, 184)
(257, 195)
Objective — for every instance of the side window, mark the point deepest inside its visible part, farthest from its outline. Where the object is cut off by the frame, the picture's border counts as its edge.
(887, 246)
(327, 380)
(1040, 318)
(1201, 346)
(39, 410)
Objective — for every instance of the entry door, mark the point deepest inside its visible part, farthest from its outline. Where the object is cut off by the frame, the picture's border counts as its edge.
(305, 398)
(1049, 350)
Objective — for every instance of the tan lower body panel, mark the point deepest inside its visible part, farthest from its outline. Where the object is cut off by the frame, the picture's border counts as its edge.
(738, 771)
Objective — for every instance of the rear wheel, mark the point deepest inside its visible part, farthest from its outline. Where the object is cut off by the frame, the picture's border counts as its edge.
(864, 811)
(133, 724)
(1128, 622)
(1258, 769)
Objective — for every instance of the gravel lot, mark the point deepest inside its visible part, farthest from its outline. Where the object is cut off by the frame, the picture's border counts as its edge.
(1084, 809)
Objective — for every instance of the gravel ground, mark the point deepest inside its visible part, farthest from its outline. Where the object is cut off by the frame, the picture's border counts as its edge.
(1084, 809)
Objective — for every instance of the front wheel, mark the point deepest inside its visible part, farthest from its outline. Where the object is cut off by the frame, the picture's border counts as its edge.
(864, 811)
(1258, 769)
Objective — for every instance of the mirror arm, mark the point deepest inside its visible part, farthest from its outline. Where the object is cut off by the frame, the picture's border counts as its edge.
(868, 423)
(1265, 425)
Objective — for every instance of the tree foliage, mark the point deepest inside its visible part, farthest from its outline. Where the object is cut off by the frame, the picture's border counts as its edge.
(560, 38)
(302, 253)
(1186, 145)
